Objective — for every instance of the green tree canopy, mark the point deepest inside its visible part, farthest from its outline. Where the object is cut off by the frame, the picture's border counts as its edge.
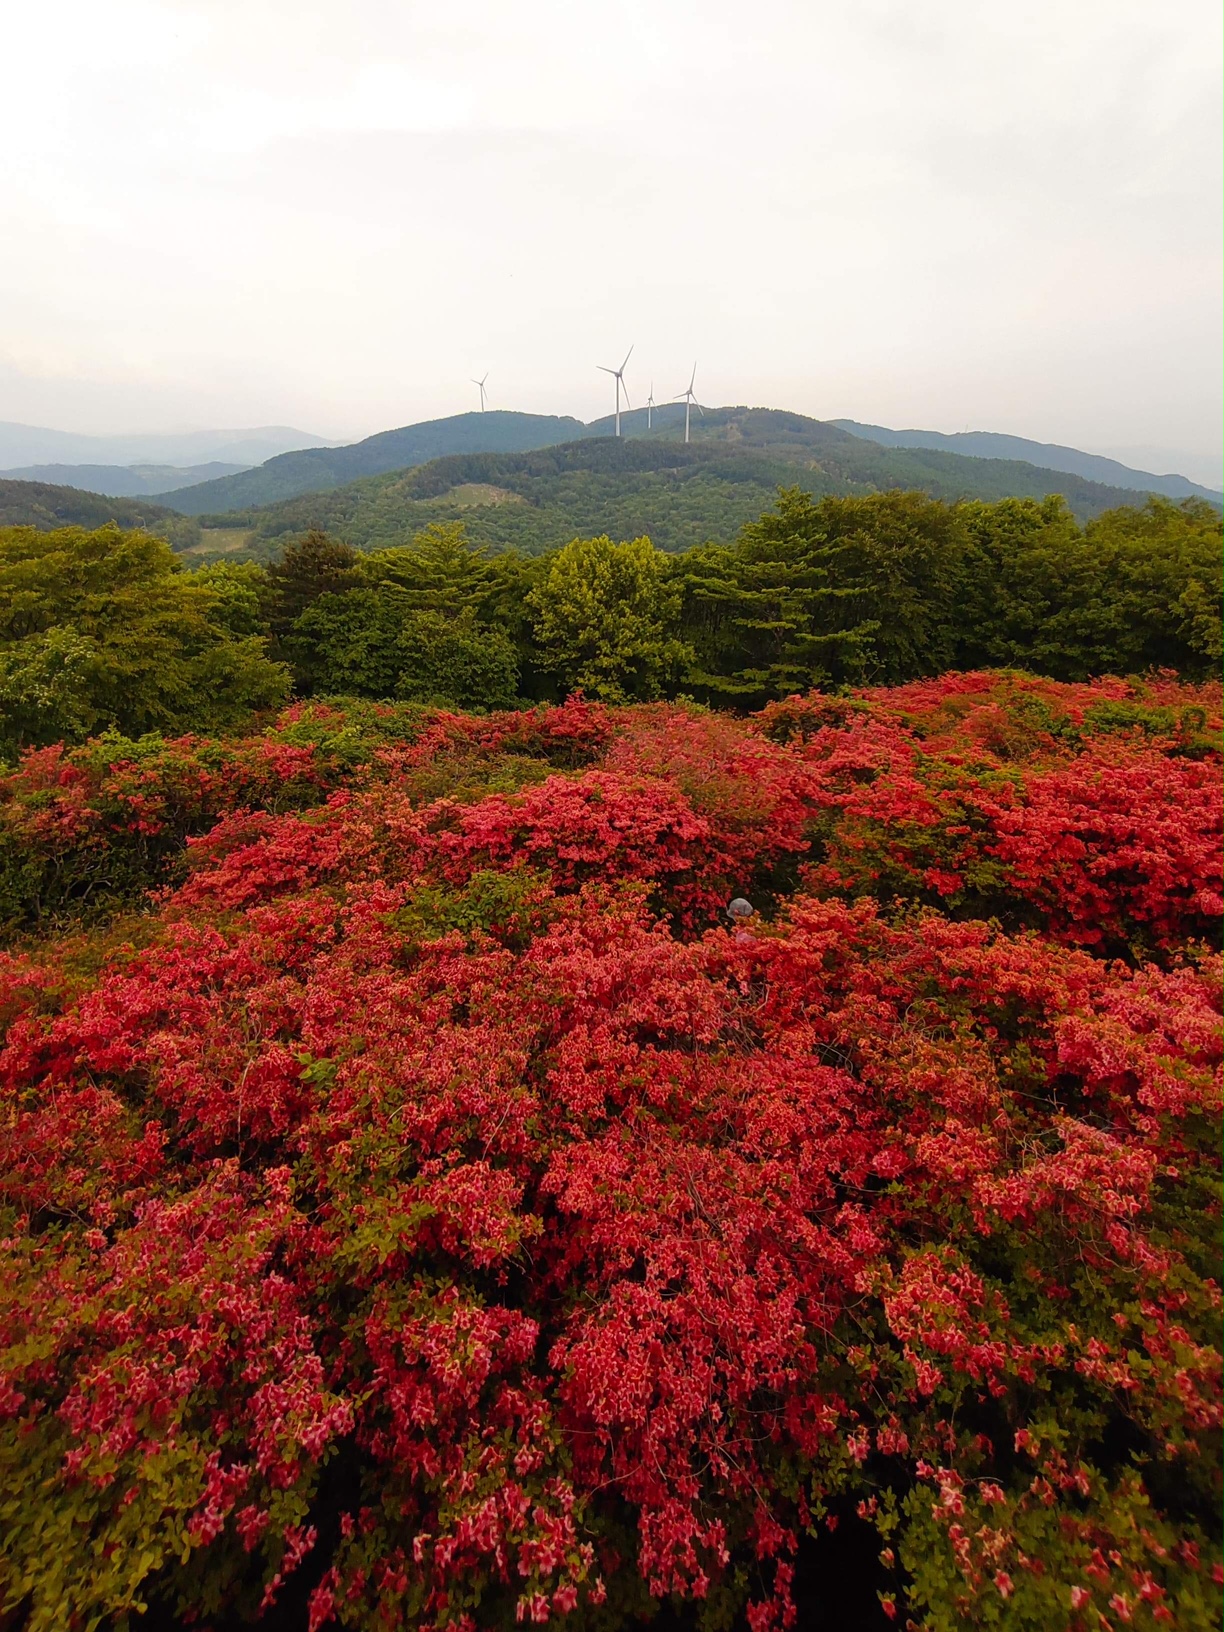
(105, 629)
(440, 571)
(243, 591)
(603, 617)
(367, 643)
(307, 568)
(1137, 589)
(455, 660)
(836, 590)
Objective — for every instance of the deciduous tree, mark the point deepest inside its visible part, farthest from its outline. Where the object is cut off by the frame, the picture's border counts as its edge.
(604, 615)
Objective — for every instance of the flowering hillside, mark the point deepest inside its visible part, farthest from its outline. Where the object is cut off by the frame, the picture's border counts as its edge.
(423, 1207)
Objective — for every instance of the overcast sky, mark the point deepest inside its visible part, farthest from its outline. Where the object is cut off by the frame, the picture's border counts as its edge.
(940, 213)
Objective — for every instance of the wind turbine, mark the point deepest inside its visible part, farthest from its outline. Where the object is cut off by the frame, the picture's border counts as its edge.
(618, 374)
(690, 401)
(480, 386)
(650, 405)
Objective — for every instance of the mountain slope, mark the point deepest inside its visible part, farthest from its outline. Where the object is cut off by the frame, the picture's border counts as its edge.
(124, 481)
(1048, 455)
(794, 440)
(42, 505)
(679, 495)
(858, 462)
(315, 470)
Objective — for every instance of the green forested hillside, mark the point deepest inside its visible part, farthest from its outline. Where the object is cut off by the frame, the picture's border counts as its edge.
(315, 470)
(44, 505)
(1048, 455)
(532, 502)
(678, 496)
(110, 629)
(820, 454)
(859, 462)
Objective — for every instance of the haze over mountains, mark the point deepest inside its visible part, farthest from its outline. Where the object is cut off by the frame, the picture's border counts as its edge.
(125, 481)
(1048, 455)
(218, 471)
(22, 445)
(534, 481)
(794, 436)
(679, 495)
(138, 465)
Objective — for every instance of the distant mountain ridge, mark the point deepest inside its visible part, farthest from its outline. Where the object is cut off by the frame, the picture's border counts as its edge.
(317, 470)
(656, 485)
(1046, 455)
(24, 445)
(763, 430)
(124, 481)
(262, 465)
(534, 493)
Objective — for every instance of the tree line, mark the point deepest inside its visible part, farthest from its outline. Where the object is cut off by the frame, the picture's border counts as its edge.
(108, 630)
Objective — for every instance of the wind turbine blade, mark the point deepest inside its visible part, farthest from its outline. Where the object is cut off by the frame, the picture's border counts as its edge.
(698, 407)
(625, 389)
(693, 377)
(604, 370)
(628, 354)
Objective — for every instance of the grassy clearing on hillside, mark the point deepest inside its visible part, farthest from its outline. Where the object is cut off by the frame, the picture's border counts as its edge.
(221, 541)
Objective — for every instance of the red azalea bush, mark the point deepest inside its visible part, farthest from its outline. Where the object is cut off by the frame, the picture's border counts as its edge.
(435, 1218)
(86, 830)
(1089, 811)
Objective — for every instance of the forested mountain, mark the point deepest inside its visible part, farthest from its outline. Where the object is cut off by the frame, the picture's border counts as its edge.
(536, 500)
(798, 442)
(316, 470)
(678, 496)
(126, 481)
(1048, 455)
(45, 506)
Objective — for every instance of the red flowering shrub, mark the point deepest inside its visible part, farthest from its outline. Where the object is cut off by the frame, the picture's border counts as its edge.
(440, 1220)
(84, 831)
(1081, 810)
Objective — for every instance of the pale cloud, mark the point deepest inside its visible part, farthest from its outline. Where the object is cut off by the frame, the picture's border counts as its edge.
(933, 212)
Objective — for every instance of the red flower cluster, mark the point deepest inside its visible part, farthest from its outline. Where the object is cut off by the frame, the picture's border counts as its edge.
(438, 1207)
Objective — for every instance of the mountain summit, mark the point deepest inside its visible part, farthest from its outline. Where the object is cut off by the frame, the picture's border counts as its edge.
(318, 470)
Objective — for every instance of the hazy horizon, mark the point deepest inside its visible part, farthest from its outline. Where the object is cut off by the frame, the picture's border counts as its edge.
(946, 219)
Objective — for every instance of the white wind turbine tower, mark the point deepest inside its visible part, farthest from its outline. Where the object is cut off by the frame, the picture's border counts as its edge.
(651, 405)
(480, 386)
(690, 401)
(618, 374)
